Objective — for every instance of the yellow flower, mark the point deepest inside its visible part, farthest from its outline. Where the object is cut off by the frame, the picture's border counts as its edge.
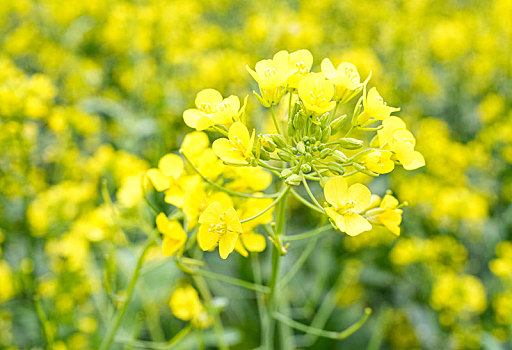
(387, 214)
(379, 162)
(174, 236)
(345, 78)
(6, 282)
(247, 178)
(195, 146)
(219, 225)
(170, 168)
(374, 108)
(211, 110)
(346, 202)
(395, 137)
(185, 304)
(316, 93)
(301, 61)
(272, 76)
(238, 148)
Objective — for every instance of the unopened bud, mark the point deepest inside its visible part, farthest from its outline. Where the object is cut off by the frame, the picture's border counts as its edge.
(339, 156)
(325, 152)
(294, 180)
(301, 148)
(363, 170)
(279, 140)
(326, 134)
(350, 143)
(337, 124)
(286, 172)
(306, 168)
(299, 121)
(284, 156)
(264, 155)
(336, 168)
(267, 143)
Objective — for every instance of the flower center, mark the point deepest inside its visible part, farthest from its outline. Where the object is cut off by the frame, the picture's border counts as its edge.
(346, 207)
(269, 72)
(301, 67)
(207, 108)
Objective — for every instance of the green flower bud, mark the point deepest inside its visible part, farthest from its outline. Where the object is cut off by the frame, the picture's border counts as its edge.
(301, 148)
(337, 124)
(363, 170)
(267, 143)
(294, 180)
(326, 134)
(324, 119)
(325, 152)
(306, 168)
(336, 168)
(286, 172)
(290, 129)
(284, 156)
(299, 121)
(350, 143)
(264, 155)
(339, 156)
(279, 140)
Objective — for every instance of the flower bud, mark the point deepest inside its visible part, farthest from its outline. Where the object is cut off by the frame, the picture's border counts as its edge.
(279, 140)
(299, 121)
(326, 134)
(290, 129)
(284, 156)
(324, 119)
(325, 152)
(337, 124)
(294, 180)
(336, 168)
(363, 170)
(286, 172)
(301, 148)
(339, 156)
(267, 143)
(350, 143)
(306, 168)
(264, 155)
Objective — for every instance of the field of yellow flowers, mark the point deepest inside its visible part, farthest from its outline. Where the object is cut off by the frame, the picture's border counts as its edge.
(256, 174)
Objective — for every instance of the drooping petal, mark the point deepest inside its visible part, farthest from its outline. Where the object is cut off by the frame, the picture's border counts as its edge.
(355, 224)
(207, 239)
(162, 223)
(160, 181)
(334, 190)
(192, 116)
(361, 195)
(227, 244)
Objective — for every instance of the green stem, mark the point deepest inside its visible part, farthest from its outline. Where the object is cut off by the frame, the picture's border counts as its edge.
(276, 255)
(281, 195)
(306, 203)
(259, 297)
(313, 198)
(47, 331)
(317, 332)
(234, 281)
(222, 188)
(298, 264)
(217, 324)
(107, 340)
(276, 124)
(308, 234)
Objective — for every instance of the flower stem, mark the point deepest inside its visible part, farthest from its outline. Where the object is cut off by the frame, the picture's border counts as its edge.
(107, 340)
(276, 124)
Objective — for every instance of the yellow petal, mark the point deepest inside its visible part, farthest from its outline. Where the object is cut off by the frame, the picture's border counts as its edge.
(159, 180)
(389, 126)
(210, 96)
(171, 165)
(254, 242)
(302, 56)
(226, 150)
(192, 116)
(194, 143)
(391, 219)
(239, 247)
(334, 190)
(162, 223)
(204, 123)
(360, 194)
(227, 244)
(389, 202)
(206, 239)
(212, 213)
(238, 133)
(355, 224)
(232, 221)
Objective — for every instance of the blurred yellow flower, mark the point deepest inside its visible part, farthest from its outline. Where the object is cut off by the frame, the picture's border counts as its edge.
(170, 168)
(185, 304)
(174, 236)
(219, 225)
(346, 204)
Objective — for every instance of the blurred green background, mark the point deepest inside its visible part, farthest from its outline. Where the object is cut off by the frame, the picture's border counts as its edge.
(92, 92)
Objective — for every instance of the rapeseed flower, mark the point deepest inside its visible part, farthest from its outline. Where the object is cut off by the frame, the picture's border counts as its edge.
(219, 226)
(237, 148)
(186, 306)
(316, 93)
(388, 213)
(374, 108)
(346, 205)
(212, 109)
(174, 235)
(345, 78)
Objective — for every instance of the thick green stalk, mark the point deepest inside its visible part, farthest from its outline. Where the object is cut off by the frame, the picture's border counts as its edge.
(276, 255)
(107, 341)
